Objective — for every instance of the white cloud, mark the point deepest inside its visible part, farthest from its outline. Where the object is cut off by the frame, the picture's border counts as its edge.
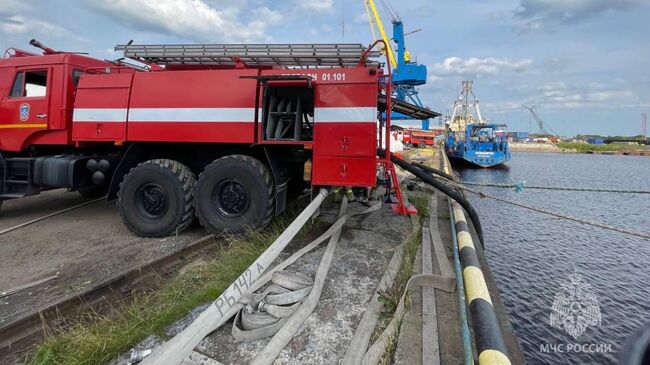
(562, 95)
(270, 17)
(538, 14)
(12, 7)
(361, 18)
(19, 24)
(191, 19)
(318, 6)
(17, 17)
(479, 66)
(501, 107)
(431, 78)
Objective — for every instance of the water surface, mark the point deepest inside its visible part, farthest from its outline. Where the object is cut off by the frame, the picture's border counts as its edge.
(533, 255)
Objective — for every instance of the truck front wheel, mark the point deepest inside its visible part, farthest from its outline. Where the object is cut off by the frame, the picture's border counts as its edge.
(156, 198)
(234, 194)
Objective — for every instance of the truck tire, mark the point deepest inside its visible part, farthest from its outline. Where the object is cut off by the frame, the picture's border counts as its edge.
(156, 198)
(234, 194)
(422, 144)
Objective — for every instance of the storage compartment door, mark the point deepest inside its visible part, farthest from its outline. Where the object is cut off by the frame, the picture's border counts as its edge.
(101, 107)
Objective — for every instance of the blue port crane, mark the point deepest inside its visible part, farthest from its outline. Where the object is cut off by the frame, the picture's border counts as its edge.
(407, 74)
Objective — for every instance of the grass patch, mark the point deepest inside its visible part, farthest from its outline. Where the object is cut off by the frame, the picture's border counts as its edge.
(95, 339)
(585, 147)
(391, 298)
(391, 347)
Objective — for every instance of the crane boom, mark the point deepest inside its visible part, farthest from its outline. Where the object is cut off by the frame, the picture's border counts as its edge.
(407, 74)
(540, 123)
(373, 16)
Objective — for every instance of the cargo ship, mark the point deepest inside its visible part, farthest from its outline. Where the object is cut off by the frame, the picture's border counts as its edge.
(470, 140)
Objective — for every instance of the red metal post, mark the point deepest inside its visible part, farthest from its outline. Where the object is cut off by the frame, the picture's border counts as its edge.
(400, 206)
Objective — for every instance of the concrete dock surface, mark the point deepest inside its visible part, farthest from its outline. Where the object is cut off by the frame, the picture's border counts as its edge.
(89, 244)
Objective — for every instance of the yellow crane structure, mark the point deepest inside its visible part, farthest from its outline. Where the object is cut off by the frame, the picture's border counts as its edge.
(375, 22)
(406, 74)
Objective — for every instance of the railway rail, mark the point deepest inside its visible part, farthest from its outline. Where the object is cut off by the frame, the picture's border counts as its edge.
(18, 335)
(50, 215)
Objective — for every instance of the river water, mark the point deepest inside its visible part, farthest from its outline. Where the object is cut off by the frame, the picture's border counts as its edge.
(534, 256)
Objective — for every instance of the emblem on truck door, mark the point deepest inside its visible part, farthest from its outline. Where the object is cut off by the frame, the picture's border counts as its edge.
(24, 112)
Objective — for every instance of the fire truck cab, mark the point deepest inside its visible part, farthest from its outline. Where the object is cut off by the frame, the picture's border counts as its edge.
(224, 133)
(37, 96)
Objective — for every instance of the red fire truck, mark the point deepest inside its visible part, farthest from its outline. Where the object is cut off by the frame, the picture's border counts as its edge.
(419, 138)
(223, 133)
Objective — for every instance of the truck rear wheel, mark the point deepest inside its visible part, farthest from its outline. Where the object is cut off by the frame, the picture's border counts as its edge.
(422, 144)
(234, 194)
(156, 198)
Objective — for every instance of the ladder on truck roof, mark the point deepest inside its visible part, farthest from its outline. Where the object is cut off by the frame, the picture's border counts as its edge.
(288, 55)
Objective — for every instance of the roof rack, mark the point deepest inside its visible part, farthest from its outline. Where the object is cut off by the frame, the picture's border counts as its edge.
(296, 55)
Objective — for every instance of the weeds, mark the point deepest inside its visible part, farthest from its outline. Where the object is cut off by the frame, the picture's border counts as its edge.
(584, 147)
(96, 339)
(391, 297)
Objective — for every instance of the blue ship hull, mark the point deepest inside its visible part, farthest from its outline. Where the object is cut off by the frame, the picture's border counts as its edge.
(479, 158)
(478, 146)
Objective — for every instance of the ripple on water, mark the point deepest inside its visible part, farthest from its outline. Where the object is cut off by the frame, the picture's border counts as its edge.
(532, 255)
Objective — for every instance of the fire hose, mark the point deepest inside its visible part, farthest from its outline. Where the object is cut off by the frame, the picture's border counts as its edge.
(286, 308)
(446, 189)
(265, 313)
(434, 171)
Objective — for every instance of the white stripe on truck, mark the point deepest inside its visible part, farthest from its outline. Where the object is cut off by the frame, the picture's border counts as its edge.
(99, 115)
(214, 115)
(346, 114)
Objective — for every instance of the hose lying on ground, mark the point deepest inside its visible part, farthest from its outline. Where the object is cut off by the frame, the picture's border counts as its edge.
(446, 189)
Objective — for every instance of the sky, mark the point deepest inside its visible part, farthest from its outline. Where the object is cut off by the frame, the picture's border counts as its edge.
(583, 64)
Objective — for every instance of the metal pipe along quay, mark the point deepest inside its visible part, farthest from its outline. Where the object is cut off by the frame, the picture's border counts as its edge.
(490, 346)
(460, 289)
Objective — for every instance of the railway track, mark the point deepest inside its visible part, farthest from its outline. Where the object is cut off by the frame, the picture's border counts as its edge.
(20, 334)
(50, 215)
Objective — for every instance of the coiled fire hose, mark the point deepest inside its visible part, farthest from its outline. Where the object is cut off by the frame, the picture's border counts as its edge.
(446, 189)
(266, 312)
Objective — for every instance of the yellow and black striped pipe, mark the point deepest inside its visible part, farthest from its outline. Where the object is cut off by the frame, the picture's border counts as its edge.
(490, 345)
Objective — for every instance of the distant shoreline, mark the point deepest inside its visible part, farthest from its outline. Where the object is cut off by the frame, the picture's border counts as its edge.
(585, 149)
(536, 147)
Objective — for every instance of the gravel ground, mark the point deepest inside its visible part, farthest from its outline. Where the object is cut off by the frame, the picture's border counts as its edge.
(84, 246)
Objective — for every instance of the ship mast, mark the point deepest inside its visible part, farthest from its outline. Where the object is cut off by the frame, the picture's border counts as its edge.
(466, 108)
